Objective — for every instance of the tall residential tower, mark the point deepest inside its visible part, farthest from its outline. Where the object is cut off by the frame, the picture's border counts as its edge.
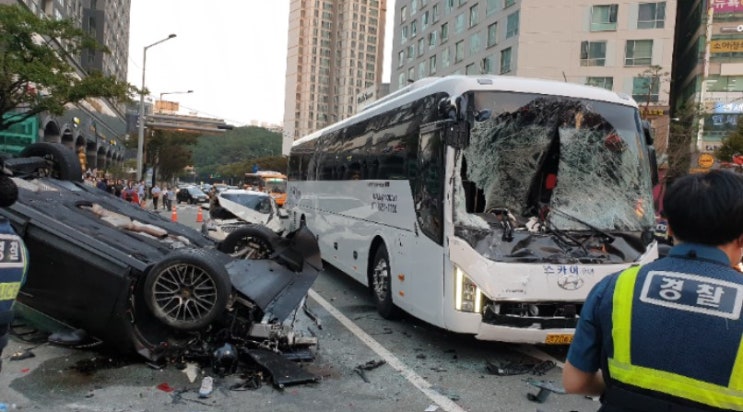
(335, 53)
(611, 44)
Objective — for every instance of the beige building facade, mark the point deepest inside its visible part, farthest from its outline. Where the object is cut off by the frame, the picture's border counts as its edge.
(611, 44)
(335, 53)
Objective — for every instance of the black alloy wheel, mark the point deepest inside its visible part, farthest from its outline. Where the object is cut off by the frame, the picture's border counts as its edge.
(188, 289)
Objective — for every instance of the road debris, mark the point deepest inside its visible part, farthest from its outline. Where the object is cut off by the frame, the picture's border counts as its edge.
(311, 314)
(165, 387)
(446, 392)
(372, 364)
(432, 408)
(192, 371)
(545, 388)
(520, 368)
(283, 371)
(207, 386)
(21, 355)
(248, 381)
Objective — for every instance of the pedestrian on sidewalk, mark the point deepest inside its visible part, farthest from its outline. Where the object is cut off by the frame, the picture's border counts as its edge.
(155, 195)
(168, 197)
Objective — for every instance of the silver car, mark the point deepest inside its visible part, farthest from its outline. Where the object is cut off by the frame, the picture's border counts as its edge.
(235, 208)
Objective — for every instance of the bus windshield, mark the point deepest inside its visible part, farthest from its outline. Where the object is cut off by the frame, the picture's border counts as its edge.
(275, 185)
(557, 163)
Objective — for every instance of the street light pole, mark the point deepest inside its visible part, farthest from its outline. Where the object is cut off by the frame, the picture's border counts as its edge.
(140, 138)
(164, 93)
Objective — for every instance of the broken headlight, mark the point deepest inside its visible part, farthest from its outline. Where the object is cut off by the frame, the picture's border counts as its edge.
(467, 295)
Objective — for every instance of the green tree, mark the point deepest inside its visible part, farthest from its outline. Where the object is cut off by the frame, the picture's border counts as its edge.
(682, 132)
(732, 144)
(170, 152)
(650, 80)
(35, 71)
(236, 149)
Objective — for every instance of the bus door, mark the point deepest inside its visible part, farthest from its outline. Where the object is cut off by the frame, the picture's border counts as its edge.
(422, 292)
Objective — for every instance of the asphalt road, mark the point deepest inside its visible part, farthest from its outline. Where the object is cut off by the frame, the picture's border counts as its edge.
(424, 369)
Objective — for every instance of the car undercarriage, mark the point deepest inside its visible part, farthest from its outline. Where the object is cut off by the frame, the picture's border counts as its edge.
(139, 282)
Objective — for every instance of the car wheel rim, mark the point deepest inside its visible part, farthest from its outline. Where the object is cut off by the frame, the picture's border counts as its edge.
(185, 293)
(380, 278)
(251, 248)
(49, 170)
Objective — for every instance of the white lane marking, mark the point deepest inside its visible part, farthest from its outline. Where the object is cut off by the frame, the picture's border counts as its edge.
(423, 385)
(536, 353)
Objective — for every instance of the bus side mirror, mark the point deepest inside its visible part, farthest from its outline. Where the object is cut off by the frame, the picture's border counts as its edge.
(448, 109)
(457, 135)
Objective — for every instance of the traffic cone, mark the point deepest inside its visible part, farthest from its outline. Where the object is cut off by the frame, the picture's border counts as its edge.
(199, 215)
(174, 215)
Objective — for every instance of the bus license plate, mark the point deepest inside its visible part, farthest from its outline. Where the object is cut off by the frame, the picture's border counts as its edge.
(558, 339)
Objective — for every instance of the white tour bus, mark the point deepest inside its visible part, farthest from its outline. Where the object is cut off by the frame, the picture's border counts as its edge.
(484, 205)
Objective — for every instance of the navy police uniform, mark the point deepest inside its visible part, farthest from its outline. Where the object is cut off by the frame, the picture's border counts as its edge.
(13, 267)
(668, 335)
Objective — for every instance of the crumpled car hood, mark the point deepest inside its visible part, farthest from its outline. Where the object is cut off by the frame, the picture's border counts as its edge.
(249, 215)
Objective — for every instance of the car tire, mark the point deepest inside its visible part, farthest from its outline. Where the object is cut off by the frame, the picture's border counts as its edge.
(188, 289)
(252, 242)
(63, 162)
(380, 281)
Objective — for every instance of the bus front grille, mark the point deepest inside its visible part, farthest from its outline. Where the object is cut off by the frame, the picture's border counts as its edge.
(540, 315)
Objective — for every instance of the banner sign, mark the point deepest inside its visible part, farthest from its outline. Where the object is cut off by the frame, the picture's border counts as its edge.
(727, 6)
(726, 46)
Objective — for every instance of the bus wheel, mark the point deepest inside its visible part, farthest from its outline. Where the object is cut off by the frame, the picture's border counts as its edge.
(381, 284)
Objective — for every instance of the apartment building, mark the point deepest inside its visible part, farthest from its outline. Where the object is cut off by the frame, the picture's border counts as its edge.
(709, 66)
(105, 20)
(335, 53)
(606, 43)
(95, 128)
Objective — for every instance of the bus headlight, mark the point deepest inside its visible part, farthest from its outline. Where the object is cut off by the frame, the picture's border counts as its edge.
(467, 295)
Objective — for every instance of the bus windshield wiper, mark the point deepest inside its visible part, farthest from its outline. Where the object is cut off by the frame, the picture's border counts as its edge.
(584, 223)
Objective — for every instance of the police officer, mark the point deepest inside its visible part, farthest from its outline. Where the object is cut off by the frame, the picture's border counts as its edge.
(667, 336)
(13, 261)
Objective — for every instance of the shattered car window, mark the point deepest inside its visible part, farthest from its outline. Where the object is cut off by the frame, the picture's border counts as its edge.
(550, 163)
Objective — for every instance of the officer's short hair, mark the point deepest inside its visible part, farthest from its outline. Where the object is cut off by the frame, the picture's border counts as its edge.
(706, 208)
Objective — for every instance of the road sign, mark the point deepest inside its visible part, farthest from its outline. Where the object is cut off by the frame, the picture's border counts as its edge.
(706, 160)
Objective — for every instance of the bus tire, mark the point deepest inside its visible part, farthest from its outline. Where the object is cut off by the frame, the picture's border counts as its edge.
(381, 283)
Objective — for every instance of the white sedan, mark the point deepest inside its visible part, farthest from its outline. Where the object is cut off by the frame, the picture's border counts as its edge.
(235, 208)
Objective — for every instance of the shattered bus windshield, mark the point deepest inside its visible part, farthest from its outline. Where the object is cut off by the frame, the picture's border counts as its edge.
(552, 165)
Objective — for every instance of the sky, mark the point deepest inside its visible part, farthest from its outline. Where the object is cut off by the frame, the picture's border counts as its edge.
(231, 53)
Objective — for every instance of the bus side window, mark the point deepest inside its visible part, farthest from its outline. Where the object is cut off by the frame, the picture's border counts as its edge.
(393, 167)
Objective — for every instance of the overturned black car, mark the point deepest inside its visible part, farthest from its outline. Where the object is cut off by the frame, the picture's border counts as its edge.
(137, 281)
